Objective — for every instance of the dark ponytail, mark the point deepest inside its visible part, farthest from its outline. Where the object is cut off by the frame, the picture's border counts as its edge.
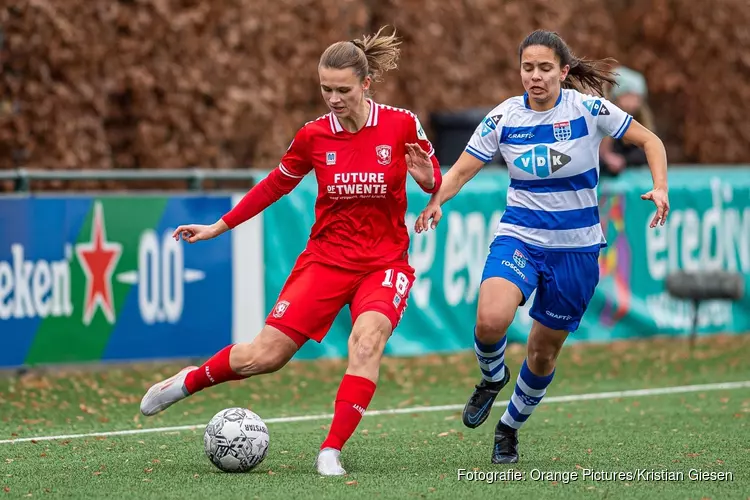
(584, 74)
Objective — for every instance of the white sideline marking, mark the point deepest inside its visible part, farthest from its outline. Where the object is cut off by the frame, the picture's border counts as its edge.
(415, 409)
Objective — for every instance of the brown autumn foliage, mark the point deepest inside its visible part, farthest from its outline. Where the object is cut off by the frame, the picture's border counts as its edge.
(226, 83)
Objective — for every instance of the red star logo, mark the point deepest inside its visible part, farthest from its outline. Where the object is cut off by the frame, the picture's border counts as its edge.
(98, 259)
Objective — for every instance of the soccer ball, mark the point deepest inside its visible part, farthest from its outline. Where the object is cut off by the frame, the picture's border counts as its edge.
(236, 440)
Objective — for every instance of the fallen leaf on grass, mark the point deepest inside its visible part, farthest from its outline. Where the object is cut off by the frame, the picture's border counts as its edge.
(86, 409)
(148, 470)
(351, 483)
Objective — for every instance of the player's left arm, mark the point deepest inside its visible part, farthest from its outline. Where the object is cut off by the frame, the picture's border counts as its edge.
(422, 164)
(620, 125)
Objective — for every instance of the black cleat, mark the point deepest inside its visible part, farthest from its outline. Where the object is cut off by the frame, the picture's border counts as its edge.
(505, 450)
(479, 406)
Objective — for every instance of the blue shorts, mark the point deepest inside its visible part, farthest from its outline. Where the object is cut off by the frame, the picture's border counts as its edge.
(564, 281)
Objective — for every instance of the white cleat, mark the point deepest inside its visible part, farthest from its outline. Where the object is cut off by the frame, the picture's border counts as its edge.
(329, 463)
(164, 394)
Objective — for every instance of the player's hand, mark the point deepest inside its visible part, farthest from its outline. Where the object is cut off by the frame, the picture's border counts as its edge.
(198, 232)
(419, 165)
(661, 199)
(431, 212)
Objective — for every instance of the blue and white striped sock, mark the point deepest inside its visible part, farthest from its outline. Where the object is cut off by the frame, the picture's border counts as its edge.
(529, 391)
(491, 359)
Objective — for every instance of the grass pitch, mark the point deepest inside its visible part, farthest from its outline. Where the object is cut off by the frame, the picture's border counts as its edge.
(693, 444)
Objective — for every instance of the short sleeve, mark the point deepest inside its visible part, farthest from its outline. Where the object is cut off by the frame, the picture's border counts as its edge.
(610, 120)
(485, 140)
(297, 162)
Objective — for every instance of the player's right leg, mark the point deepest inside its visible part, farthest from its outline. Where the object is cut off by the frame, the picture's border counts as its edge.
(268, 352)
(508, 279)
(377, 307)
(305, 310)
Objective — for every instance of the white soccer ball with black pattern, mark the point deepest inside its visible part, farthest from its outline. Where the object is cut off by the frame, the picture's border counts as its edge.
(236, 440)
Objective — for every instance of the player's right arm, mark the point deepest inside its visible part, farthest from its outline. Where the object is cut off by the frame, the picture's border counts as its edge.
(292, 168)
(480, 150)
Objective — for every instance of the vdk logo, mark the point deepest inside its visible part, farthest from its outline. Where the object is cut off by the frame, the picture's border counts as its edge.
(596, 107)
(541, 161)
(490, 124)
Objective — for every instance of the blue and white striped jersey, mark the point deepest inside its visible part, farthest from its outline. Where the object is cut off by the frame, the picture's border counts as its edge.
(553, 162)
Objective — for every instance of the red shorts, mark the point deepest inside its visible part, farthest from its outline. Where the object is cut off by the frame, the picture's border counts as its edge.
(315, 293)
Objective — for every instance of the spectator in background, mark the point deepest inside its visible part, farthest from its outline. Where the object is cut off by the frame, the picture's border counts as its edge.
(630, 94)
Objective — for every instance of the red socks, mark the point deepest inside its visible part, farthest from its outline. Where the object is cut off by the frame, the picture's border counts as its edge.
(352, 399)
(214, 371)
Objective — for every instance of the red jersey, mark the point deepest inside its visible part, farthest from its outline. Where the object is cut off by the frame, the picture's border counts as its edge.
(361, 203)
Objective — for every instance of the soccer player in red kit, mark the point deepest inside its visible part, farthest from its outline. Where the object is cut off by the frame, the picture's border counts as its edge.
(357, 253)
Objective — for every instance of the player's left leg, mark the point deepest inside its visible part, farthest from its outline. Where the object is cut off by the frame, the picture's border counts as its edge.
(377, 308)
(568, 281)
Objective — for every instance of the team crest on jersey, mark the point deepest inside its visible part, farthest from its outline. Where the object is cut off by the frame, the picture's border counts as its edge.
(280, 308)
(331, 158)
(562, 131)
(384, 154)
(519, 259)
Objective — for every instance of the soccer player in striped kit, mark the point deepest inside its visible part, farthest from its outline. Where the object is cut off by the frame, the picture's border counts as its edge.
(549, 237)
(357, 254)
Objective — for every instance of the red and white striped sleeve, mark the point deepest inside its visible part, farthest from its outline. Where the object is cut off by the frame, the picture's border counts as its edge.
(297, 161)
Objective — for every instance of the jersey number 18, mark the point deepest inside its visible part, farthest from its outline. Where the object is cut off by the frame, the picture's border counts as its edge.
(402, 282)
